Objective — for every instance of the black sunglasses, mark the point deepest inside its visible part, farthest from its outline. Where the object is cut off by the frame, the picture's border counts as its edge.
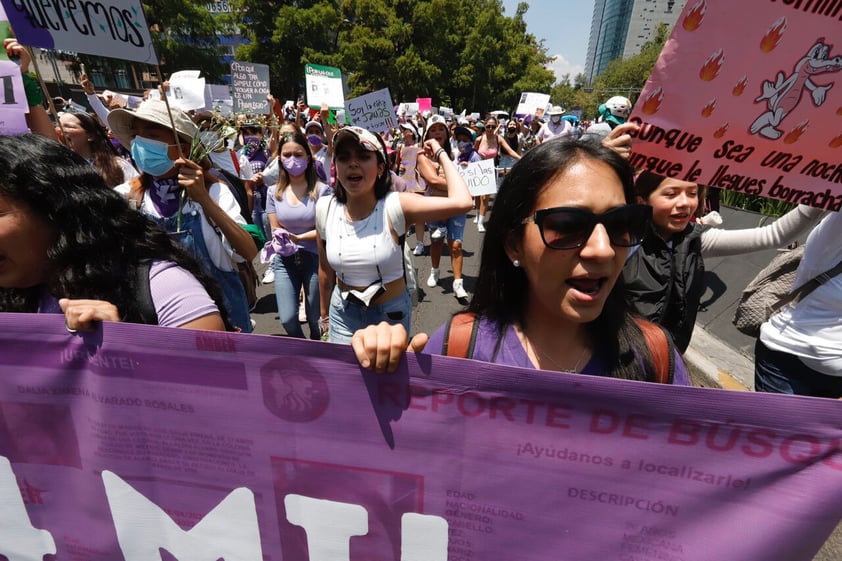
(568, 227)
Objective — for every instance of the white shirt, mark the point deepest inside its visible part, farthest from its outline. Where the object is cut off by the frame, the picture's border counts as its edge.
(812, 330)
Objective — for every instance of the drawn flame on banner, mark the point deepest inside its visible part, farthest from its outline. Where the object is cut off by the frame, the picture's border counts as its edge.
(707, 110)
(836, 142)
(720, 132)
(710, 69)
(740, 87)
(694, 17)
(773, 36)
(839, 111)
(793, 135)
(653, 101)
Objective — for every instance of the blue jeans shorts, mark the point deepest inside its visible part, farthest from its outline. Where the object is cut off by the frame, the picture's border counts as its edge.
(346, 316)
(455, 227)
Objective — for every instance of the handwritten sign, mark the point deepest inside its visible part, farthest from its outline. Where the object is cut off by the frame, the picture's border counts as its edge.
(250, 448)
(187, 90)
(747, 97)
(373, 111)
(324, 85)
(481, 177)
(249, 86)
(532, 104)
(111, 28)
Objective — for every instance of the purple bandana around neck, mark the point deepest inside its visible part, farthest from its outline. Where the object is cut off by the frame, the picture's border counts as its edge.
(165, 194)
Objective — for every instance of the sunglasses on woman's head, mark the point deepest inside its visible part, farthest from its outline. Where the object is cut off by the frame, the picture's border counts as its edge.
(569, 227)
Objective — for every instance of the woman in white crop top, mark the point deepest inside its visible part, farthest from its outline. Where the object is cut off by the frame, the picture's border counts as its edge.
(360, 229)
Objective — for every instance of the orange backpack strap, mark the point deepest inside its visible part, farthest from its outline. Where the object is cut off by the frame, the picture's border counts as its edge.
(661, 349)
(460, 335)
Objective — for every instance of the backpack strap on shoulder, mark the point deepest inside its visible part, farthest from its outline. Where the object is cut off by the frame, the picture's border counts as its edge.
(145, 305)
(460, 335)
(661, 350)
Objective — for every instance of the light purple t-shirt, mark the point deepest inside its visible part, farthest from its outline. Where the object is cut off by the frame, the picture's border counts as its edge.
(299, 218)
(512, 353)
(177, 295)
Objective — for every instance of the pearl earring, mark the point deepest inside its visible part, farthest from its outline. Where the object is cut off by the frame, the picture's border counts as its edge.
(516, 263)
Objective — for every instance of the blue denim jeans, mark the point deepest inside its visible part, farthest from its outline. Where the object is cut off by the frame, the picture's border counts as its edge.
(779, 372)
(346, 316)
(455, 227)
(291, 273)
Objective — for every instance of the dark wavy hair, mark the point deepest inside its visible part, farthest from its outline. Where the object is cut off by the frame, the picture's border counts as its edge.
(502, 289)
(383, 183)
(98, 242)
(103, 152)
(309, 174)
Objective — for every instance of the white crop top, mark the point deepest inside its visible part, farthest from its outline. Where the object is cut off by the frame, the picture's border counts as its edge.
(356, 249)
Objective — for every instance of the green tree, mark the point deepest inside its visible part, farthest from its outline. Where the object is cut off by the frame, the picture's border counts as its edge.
(462, 53)
(184, 33)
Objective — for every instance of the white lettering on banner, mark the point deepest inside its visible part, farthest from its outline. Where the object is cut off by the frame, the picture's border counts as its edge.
(329, 525)
(19, 541)
(229, 531)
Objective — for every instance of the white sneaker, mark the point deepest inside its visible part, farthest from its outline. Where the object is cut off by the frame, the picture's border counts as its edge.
(438, 233)
(480, 227)
(419, 249)
(476, 219)
(302, 312)
(459, 289)
(269, 276)
(433, 279)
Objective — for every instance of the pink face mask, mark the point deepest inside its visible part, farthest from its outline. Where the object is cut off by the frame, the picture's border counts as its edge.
(294, 165)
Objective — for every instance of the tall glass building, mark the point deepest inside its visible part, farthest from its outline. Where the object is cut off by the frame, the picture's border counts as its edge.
(619, 28)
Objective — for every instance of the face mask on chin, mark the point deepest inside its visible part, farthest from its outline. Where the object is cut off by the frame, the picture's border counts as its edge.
(151, 156)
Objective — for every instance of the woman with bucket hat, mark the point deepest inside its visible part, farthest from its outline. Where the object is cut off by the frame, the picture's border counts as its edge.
(184, 198)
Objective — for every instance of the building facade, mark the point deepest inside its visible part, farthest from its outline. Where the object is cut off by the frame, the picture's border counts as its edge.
(620, 28)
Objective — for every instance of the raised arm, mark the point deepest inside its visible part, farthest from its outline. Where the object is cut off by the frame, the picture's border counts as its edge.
(717, 242)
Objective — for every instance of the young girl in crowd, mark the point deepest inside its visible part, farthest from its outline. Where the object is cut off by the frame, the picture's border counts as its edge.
(665, 276)
(360, 230)
(70, 244)
(407, 164)
(549, 293)
(490, 146)
(184, 198)
(82, 134)
(452, 229)
(292, 206)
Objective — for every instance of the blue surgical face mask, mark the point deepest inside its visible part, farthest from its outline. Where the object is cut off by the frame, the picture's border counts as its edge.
(151, 156)
(465, 146)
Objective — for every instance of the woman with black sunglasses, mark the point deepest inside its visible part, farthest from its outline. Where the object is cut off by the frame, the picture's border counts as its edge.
(549, 293)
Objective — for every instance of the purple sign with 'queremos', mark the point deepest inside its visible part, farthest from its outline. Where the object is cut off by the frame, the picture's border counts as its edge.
(114, 447)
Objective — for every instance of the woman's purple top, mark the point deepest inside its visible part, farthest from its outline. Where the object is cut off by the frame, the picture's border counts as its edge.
(299, 218)
(512, 353)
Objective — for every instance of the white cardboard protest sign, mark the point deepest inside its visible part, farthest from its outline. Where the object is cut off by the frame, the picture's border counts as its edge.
(324, 85)
(373, 111)
(532, 104)
(111, 28)
(481, 177)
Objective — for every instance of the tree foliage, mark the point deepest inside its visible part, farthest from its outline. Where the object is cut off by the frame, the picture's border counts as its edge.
(465, 54)
(184, 33)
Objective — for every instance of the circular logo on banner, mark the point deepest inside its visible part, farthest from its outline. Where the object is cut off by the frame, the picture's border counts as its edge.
(292, 391)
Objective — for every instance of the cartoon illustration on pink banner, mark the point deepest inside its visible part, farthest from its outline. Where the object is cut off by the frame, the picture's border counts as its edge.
(745, 97)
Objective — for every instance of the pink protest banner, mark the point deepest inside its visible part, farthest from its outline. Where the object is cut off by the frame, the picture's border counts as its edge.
(745, 97)
(135, 440)
(424, 104)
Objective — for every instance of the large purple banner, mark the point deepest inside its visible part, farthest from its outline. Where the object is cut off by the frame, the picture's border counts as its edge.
(143, 443)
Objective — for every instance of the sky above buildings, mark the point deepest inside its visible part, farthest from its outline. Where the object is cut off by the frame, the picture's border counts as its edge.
(565, 26)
